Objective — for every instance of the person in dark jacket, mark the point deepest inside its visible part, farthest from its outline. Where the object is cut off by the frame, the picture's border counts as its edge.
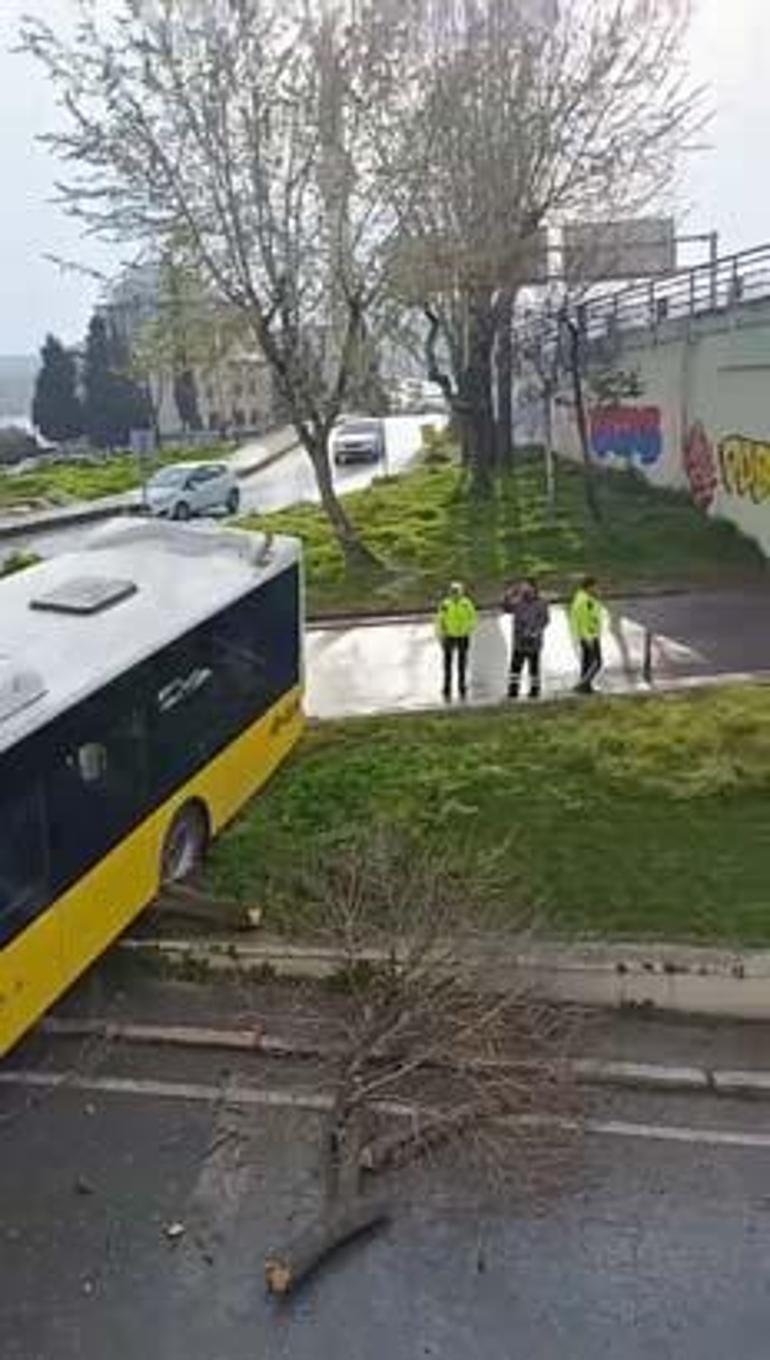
(530, 616)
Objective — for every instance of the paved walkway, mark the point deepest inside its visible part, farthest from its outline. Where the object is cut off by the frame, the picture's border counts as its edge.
(392, 666)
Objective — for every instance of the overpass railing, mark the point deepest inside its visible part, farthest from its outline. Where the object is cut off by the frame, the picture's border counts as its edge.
(718, 287)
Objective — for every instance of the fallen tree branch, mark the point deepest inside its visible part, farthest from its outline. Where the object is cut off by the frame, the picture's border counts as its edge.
(396, 1148)
(285, 1270)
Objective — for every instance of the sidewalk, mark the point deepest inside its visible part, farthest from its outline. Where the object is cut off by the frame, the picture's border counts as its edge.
(372, 667)
(644, 979)
(245, 462)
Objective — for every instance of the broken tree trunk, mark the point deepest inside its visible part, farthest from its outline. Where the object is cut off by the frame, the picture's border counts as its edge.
(179, 899)
(285, 1270)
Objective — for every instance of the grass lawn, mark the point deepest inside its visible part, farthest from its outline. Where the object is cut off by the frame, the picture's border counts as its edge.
(427, 529)
(620, 819)
(67, 480)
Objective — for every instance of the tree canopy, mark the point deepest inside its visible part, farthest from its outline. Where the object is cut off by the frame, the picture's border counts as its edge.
(113, 404)
(56, 408)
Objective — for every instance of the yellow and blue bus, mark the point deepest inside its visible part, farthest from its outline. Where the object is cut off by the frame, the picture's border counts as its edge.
(149, 685)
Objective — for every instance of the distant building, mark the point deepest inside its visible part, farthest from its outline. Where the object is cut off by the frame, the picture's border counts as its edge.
(235, 388)
(234, 394)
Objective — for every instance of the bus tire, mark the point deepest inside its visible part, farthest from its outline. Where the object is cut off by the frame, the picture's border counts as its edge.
(182, 511)
(234, 501)
(185, 843)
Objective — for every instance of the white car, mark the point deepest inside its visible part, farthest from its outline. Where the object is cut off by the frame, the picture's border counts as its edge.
(357, 439)
(182, 490)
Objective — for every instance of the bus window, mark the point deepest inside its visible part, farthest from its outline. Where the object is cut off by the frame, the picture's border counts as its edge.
(255, 648)
(206, 688)
(185, 715)
(97, 788)
(22, 861)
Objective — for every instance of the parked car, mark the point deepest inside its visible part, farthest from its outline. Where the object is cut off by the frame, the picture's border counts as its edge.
(182, 490)
(417, 396)
(356, 439)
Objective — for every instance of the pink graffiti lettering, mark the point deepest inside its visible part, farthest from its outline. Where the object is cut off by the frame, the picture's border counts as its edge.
(700, 466)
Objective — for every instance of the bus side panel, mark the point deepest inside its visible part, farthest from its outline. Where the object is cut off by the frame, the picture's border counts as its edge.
(30, 976)
(52, 952)
(103, 903)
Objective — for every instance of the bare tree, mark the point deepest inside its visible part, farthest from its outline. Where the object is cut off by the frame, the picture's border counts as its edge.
(240, 134)
(439, 1049)
(529, 116)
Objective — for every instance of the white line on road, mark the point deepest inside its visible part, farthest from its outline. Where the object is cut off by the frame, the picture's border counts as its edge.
(315, 1101)
(672, 1133)
(169, 1090)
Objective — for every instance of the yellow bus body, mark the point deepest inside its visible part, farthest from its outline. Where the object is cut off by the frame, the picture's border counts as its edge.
(52, 952)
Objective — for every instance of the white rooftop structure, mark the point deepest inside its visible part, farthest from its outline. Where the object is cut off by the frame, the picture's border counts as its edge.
(71, 624)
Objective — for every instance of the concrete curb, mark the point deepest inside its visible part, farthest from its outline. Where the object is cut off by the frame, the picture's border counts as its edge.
(92, 513)
(251, 469)
(632, 1076)
(642, 593)
(655, 977)
(63, 520)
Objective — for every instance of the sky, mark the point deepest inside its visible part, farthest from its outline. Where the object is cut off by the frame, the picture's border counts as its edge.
(726, 187)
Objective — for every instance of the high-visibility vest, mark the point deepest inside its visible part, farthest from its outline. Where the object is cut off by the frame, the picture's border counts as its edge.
(456, 617)
(585, 617)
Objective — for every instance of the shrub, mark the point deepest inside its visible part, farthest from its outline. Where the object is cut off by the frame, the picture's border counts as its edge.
(439, 445)
(18, 561)
(16, 444)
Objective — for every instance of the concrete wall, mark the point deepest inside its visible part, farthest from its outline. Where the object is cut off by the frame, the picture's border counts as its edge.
(702, 423)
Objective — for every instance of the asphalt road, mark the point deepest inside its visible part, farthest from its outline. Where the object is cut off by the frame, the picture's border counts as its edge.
(652, 1249)
(286, 482)
(135, 1225)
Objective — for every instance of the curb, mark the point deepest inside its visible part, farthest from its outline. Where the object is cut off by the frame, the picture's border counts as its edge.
(652, 978)
(93, 513)
(344, 618)
(634, 1076)
(66, 520)
(253, 468)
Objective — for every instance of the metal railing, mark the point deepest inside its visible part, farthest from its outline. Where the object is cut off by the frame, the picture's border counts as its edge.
(712, 289)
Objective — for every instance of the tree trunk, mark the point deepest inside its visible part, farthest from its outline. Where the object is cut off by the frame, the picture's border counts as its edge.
(478, 385)
(504, 375)
(284, 1270)
(550, 470)
(581, 417)
(355, 552)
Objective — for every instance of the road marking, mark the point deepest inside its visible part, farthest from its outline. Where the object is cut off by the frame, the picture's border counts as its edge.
(235, 1096)
(169, 1090)
(672, 1133)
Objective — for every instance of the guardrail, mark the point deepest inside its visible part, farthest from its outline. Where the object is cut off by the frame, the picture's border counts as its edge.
(718, 287)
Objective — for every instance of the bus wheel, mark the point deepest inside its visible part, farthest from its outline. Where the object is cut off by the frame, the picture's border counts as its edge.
(185, 844)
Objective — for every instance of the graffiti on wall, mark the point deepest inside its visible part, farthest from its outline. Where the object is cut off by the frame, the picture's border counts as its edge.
(744, 466)
(630, 432)
(740, 465)
(700, 466)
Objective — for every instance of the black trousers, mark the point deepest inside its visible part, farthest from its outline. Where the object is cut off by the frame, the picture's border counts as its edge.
(525, 654)
(590, 662)
(458, 647)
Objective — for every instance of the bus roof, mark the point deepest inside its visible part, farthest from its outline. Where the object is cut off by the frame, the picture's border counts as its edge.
(75, 622)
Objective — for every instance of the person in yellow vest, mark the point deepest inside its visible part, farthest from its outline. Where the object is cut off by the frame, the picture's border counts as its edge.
(456, 622)
(586, 616)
